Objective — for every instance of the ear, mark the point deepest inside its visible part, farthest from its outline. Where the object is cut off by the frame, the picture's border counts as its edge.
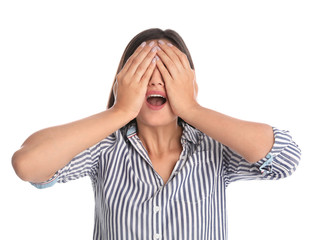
(115, 90)
(196, 88)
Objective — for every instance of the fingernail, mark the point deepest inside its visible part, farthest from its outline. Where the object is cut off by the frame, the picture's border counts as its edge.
(155, 49)
(169, 44)
(157, 58)
(154, 60)
(161, 42)
(151, 43)
(143, 44)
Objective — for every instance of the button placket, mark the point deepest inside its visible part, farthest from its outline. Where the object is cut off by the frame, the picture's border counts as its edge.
(156, 209)
(157, 236)
(157, 213)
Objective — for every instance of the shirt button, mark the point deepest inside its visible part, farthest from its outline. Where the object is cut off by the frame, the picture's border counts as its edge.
(156, 209)
(157, 236)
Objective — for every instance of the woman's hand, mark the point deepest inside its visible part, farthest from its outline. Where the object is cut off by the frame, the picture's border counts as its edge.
(44, 152)
(131, 82)
(179, 79)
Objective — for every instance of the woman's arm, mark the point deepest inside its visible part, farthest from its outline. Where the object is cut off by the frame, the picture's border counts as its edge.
(48, 150)
(251, 140)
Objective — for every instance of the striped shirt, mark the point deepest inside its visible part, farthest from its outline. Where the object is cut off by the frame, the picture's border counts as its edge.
(132, 201)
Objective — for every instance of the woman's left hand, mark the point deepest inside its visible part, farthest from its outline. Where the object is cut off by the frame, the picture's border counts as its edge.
(179, 79)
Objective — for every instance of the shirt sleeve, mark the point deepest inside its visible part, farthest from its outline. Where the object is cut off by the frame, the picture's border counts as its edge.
(280, 162)
(84, 164)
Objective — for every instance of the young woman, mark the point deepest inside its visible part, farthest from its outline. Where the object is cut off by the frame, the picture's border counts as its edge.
(159, 162)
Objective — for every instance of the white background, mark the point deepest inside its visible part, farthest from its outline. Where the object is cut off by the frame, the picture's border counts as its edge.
(254, 60)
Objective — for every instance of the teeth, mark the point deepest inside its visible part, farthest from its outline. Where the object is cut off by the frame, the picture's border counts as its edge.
(155, 95)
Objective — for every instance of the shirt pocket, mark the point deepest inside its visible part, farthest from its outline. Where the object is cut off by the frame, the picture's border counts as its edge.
(194, 183)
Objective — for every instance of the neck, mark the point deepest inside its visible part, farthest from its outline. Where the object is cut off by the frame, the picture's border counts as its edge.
(160, 140)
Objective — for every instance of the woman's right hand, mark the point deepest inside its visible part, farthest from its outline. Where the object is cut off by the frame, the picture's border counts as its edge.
(48, 150)
(132, 81)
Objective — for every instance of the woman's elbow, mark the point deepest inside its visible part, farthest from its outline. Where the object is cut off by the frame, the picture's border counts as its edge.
(28, 166)
(19, 160)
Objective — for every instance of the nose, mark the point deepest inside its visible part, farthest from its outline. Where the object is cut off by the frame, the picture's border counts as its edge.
(156, 79)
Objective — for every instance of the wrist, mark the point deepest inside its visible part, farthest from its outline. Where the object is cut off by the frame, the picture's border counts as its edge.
(191, 112)
(126, 116)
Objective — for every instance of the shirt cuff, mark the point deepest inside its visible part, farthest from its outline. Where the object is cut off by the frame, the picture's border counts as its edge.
(283, 158)
(266, 166)
(46, 184)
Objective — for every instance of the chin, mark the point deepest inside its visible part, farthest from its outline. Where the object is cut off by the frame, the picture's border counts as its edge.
(156, 118)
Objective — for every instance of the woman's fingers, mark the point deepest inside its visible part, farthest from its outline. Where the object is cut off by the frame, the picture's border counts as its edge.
(182, 56)
(136, 52)
(145, 64)
(166, 47)
(179, 58)
(140, 62)
(163, 70)
(147, 75)
(168, 62)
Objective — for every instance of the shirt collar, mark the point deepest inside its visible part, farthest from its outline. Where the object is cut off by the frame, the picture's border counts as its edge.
(189, 134)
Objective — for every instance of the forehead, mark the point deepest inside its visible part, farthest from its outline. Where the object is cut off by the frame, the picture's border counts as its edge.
(156, 40)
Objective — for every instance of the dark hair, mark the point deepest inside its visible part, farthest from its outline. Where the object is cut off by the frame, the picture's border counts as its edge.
(150, 34)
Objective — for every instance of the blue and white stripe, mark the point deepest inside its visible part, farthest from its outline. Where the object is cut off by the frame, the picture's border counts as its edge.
(132, 202)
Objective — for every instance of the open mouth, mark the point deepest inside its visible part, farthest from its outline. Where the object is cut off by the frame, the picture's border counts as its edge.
(156, 101)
